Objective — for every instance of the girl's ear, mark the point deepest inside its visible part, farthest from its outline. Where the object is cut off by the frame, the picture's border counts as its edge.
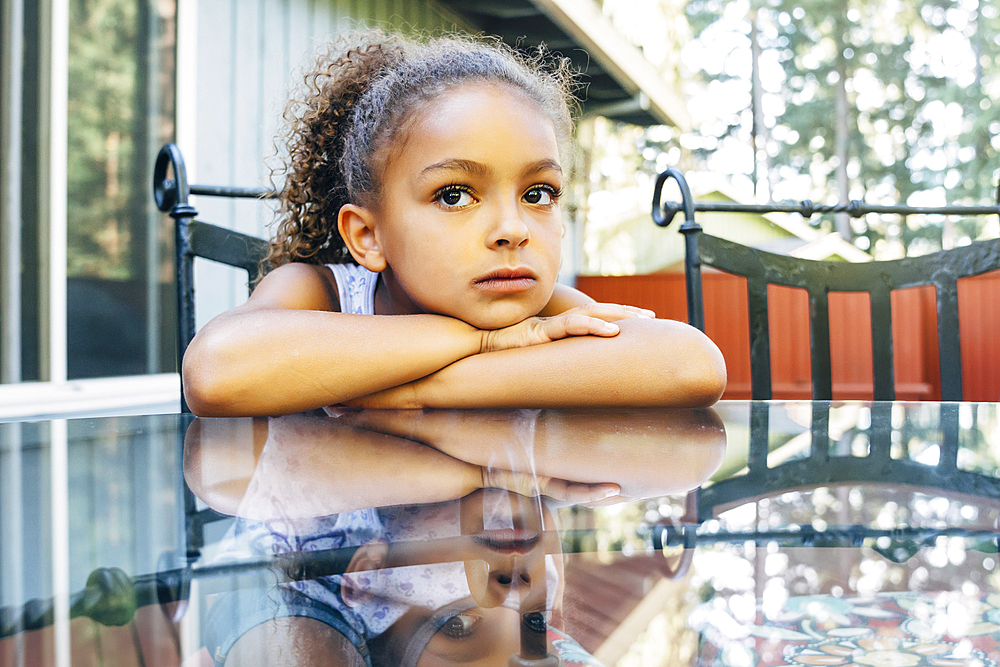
(357, 227)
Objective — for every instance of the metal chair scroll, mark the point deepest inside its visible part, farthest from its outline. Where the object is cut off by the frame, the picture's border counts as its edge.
(819, 278)
(194, 238)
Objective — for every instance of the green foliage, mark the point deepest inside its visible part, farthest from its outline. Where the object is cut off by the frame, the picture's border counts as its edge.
(102, 103)
(918, 79)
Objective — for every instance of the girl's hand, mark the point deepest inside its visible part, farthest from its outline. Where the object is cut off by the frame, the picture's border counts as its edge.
(562, 490)
(594, 319)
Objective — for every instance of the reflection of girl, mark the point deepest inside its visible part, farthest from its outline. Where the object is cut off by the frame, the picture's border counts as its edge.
(471, 555)
(453, 582)
(284, 617)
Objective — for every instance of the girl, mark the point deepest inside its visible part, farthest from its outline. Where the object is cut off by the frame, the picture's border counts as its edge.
(416, 262)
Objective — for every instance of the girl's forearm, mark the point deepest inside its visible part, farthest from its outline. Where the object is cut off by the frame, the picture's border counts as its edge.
(251, 362)
(649, 363)
(343, 468)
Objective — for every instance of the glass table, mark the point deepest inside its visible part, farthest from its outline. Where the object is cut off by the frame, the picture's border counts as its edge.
(753, 533)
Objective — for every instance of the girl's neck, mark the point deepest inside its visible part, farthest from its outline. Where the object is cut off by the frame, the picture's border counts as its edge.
(382, 300)
(387, 300)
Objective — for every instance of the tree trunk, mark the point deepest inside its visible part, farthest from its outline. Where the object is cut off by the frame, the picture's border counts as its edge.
(842, 128)
(761, 159)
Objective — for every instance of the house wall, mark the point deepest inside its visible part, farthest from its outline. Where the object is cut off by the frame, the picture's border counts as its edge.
(622, 239)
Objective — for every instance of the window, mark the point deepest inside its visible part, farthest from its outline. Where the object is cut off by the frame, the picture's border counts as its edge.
(115, 108)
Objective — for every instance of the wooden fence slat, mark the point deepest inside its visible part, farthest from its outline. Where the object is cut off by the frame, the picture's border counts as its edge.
(851, 345)
(980, 354)
(791, 367)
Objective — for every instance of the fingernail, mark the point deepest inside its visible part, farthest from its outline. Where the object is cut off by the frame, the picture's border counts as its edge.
(609, 327)
(648, 313)
(610, 492)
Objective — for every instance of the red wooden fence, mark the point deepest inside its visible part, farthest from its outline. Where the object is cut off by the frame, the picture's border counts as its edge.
(914, 328)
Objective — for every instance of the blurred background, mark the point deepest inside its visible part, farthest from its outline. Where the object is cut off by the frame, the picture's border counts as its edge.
(755, 100)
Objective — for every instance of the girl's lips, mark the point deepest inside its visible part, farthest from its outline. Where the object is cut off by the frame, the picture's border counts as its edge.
(507, 281)
(508, 541)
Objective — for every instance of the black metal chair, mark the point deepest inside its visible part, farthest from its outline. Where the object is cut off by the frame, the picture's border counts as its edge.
(819, 278)
(194, 238)
(879, 469)
(824, 468)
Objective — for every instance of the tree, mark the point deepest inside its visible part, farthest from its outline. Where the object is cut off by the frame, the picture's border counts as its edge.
(102, 90)
(860, 99)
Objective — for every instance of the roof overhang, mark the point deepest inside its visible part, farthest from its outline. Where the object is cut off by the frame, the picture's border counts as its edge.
(619, 82)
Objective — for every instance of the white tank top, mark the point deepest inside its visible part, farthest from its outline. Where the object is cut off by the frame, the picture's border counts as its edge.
(356, 288)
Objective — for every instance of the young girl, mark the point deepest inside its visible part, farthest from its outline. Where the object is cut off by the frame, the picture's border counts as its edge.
(416, 263)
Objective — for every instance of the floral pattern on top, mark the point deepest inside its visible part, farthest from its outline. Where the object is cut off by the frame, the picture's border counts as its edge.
(356, 288)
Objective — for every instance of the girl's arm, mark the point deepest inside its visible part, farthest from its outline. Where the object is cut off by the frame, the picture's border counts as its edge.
(563, 298)
(650, 363)
(566, 298)
(344, 468)
(647, 453)
(286, 350)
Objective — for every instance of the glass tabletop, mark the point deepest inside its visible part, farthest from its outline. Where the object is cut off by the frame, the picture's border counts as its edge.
(753, 533)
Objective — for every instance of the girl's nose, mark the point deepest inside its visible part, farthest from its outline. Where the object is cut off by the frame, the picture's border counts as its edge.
(509, 582)
(510, 230)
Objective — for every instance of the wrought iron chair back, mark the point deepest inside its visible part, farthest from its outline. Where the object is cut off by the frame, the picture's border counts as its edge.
(819, 278)
(194, 238)
(880, 467)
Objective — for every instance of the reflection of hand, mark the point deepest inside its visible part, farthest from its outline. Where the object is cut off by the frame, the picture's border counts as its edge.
(595, 319)
(559, 489)
(648, 452)
(450, 431)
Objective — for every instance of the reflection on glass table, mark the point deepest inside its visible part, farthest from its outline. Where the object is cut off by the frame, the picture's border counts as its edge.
(776, 533)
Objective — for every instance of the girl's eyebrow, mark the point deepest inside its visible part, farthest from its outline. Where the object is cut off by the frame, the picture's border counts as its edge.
(544, 165)
(454, 164)
(480, 169)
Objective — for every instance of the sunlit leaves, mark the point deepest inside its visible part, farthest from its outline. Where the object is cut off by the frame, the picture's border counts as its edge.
(920, 80)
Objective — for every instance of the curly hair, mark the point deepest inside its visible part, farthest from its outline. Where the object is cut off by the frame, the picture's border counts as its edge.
(357, 100)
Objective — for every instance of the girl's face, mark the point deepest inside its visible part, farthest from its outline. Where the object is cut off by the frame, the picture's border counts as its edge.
(510, 585)
(469, 222)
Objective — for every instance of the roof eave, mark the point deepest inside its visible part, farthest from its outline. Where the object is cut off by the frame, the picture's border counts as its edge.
(593, 31)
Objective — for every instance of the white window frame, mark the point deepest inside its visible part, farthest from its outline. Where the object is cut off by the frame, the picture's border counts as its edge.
(55, 395)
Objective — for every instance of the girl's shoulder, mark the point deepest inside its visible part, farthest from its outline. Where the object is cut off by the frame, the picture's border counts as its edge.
(298, 285)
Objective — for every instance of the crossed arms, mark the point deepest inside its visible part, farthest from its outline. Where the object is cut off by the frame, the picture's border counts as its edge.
(288, 350)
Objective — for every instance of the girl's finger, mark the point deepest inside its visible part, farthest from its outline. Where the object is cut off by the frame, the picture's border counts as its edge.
(631, 310)
(590, 493)
(643, 312)
(612, 311)
(578, 493)
(578, 325)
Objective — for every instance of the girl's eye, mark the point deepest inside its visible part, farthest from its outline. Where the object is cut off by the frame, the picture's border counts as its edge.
(453, 197)
(541, 195)
(535, 621)
(460, 626)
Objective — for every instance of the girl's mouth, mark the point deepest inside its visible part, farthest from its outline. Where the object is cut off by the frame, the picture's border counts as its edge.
(508, 541)
(507, 281)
